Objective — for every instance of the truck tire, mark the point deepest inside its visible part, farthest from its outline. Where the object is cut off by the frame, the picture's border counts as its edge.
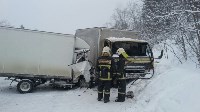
(25, 86)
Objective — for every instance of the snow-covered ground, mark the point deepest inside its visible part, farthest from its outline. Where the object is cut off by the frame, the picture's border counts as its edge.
(174, 88)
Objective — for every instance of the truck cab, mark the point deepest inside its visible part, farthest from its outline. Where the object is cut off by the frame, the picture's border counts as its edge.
(140, 61)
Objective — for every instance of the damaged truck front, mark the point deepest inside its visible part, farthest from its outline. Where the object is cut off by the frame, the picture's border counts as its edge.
(140, 63)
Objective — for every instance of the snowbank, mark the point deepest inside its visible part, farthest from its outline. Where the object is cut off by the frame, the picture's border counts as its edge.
(175, 88)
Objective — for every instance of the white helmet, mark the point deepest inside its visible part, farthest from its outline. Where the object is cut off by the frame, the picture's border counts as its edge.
(106, 50)
(120, 51)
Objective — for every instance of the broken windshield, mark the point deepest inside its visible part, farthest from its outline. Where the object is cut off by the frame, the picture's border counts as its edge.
(132, 48)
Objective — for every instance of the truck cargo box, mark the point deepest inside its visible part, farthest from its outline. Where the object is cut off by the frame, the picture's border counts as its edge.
(37, 53)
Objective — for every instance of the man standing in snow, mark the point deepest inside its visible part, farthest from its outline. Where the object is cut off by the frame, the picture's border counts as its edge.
(105, 68)
(121, 77)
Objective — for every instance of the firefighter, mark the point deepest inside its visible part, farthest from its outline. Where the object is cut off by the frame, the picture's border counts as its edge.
(121, 76)
(105, 68)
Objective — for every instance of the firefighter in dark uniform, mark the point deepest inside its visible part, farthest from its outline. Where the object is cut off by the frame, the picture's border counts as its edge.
(121, 76)
(105, 68)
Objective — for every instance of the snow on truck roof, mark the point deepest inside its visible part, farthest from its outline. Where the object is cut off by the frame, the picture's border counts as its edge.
(108, 29)
(117, 39)
(37, 31)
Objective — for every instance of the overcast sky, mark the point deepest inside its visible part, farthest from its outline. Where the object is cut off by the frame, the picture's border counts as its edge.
(62, 16)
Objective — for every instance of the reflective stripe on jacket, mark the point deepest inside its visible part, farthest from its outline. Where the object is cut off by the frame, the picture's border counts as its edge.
(105, 67)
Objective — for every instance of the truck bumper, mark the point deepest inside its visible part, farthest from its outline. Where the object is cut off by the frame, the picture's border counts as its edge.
(139, 72)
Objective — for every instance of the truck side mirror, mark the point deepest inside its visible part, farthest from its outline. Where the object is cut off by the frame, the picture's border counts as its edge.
(161, 55)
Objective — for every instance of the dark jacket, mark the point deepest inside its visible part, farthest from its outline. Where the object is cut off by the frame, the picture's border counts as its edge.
(105, 67)
(120, 67)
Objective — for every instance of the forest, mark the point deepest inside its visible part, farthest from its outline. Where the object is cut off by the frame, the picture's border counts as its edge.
(161, 20)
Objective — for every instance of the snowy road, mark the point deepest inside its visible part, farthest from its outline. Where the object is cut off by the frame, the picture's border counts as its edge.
(53, 100)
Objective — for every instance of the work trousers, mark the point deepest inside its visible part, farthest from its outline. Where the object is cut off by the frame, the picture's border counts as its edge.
(121, 89)
(104, 88)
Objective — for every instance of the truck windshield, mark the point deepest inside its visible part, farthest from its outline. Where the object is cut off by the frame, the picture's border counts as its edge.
(132, 48)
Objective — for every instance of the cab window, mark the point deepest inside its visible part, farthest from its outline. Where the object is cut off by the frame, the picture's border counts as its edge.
(131, 48)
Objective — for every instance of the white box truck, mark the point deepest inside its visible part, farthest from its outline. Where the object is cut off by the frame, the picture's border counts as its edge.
(34, 57)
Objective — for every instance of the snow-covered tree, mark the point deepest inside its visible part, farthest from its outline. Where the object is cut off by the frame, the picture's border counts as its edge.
(177, 20)
(128, 18)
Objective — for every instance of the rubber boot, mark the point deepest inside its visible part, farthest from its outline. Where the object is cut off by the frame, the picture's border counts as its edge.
(100, 96)
(122, 98)
(118, 98)
(106, 98)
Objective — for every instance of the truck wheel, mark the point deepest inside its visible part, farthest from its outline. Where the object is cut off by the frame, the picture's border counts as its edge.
(25, 86)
